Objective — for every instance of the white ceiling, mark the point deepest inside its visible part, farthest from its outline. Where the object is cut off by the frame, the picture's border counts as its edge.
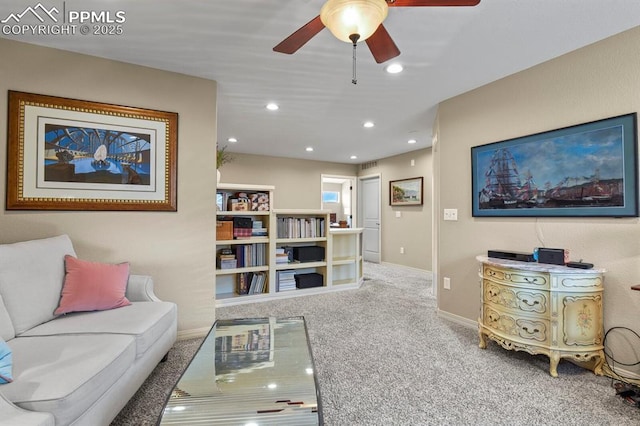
(445, 52)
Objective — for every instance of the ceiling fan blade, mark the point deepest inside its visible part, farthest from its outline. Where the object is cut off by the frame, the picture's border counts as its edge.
(382, 46)
(416, 3)
(296, 40)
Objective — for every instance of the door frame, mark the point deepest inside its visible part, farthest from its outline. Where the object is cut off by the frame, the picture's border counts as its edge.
(361, 203)
(354, 194)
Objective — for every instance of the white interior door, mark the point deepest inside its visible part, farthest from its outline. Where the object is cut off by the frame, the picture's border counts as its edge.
(370, 212)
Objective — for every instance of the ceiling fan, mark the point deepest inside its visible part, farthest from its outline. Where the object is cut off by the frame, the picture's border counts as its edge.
(359, 20)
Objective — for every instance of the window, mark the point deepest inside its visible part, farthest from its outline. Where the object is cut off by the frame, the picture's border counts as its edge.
(330, 197)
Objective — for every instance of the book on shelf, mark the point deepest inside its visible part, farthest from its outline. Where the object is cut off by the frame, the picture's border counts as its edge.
(251, 283)
(259, 232)
(300, 227)
(242, 286)
(285, 280)
(251, 254)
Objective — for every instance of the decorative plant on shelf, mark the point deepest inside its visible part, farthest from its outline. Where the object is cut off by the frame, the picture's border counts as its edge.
(222, 157)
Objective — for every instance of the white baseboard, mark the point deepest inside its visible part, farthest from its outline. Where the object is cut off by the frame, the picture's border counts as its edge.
(457, 319)
(406, 267)
(194, 333)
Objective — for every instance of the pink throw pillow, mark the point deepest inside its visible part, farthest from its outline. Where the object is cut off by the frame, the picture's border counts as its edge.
(93, 286)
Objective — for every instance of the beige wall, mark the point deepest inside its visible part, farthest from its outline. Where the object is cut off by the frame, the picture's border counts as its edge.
(298, 183)
(595, 82)
(412, 230)
(175, 248)
(298, 186)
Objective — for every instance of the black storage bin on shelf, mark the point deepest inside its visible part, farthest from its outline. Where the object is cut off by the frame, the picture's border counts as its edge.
(309, 280)
(308, 253)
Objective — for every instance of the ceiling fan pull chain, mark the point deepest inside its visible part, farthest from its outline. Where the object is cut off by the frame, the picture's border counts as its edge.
(354, 38)
(354, 80)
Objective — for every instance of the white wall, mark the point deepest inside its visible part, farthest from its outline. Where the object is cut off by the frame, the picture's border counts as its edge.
(592, 83)
(175, 248)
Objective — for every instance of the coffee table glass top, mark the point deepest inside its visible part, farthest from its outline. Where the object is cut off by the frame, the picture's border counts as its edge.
(249, 372)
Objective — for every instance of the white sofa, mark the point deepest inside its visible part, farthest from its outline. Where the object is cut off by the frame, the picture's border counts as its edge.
(80, 368)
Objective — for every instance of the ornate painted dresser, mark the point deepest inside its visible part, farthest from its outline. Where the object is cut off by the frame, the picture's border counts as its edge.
(543, 309)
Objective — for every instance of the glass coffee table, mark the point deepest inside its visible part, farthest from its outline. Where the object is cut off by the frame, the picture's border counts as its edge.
(249, 372)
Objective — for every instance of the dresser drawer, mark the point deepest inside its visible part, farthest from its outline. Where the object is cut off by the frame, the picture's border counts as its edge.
(580, 282)
(519, 299)
(525, 329)
(516, 277)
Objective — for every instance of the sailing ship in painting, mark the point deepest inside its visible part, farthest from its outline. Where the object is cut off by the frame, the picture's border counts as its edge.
(505, 187)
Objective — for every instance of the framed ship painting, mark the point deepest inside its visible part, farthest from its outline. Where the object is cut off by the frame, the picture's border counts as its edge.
(587, 170)
(69, 154)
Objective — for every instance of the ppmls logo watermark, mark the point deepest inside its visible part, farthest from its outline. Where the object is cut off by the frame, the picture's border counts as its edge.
(46, 21)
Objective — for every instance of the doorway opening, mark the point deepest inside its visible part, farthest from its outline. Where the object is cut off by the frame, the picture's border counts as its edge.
(338, 196)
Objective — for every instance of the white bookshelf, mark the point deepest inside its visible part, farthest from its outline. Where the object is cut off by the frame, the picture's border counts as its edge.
(226, 279)
(341, 268)
(346, 262)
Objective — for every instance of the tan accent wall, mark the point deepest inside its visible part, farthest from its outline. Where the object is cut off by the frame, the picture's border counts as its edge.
(592, 83)
(175, 248)
(412, 230)
(298, 185)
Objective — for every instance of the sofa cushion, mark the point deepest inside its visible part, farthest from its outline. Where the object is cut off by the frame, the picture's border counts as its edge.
(6, 363)
(65, 375)
(93, 286)
(145, 321)
(31, 276)
(6, 326)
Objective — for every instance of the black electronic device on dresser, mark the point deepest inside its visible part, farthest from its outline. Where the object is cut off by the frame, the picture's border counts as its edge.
(511, 255)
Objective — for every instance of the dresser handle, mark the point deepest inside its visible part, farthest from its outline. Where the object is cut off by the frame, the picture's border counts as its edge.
(530, 280)
(535, 330)
(535, 302)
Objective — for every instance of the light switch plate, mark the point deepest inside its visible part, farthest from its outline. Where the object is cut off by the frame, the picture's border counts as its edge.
(450, 214)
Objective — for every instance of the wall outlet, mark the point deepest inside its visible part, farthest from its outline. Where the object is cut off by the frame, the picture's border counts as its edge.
(450, 214)
(401, 250)
(446, 283)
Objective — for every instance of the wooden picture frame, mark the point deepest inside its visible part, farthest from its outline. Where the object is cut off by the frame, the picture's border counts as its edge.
(586, 170)
(69, 154)
(406, 192)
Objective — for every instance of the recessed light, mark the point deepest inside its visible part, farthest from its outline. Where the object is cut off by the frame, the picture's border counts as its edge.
(272, 107)
(232, 140)
(368, 124)
(394, 68)
(309, 149)
(354, 157)
(412, 141)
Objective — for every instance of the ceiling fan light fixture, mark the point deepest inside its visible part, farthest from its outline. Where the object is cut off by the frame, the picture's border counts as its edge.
(347, 17)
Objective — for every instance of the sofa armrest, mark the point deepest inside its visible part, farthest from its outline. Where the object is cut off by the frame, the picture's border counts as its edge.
(140, 289)
(11, 414)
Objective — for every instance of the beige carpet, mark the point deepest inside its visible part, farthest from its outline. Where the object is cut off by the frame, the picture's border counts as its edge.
(383, 357)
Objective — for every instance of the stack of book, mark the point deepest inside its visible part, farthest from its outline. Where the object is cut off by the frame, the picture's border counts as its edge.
(227, 259)
(282, 256)
(258, 230)
(285, 280)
